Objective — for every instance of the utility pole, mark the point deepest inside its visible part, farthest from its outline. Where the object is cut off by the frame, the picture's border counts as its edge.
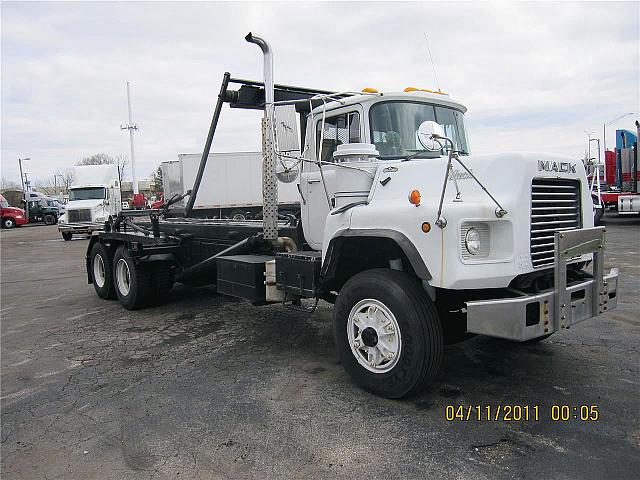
(132, 127)
(24, 194)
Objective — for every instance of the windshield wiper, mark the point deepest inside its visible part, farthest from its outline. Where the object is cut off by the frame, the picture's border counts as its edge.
(417, 154)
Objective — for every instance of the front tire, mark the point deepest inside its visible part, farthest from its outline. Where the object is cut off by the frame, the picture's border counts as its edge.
(133, 283)
(49, 220)
(102, 271)
(387, 333)
(8, 222)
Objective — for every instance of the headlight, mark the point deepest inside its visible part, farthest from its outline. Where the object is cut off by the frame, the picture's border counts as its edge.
(100, 219)
(472, 241)
(19, 216)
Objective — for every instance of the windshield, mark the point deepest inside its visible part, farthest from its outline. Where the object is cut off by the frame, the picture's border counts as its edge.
(394, 127)
(91, 193)
(4, 202)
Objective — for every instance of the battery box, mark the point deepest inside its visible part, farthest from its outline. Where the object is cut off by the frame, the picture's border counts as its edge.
(298, 273)
(242, 276)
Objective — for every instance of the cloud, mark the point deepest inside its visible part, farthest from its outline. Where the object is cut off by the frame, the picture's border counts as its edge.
(533, 75)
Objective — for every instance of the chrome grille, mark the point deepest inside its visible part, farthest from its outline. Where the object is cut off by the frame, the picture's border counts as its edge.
(555, 206)
(82, 215)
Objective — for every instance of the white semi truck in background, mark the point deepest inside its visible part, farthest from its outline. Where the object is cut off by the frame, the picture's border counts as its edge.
(414, 240)
(231, 186)
(94, 198)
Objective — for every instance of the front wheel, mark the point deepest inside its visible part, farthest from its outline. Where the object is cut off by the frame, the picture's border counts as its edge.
(387, 333)
(49, 220)
(8, 222)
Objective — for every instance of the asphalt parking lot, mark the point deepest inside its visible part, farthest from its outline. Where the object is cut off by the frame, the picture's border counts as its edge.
(207, 387)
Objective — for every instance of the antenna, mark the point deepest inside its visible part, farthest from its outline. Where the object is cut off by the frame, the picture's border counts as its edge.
(433, 65)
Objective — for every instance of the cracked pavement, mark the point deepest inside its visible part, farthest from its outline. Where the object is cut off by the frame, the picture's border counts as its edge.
(210, 387)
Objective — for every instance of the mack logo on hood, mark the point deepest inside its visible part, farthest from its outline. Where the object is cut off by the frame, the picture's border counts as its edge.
(562, 167)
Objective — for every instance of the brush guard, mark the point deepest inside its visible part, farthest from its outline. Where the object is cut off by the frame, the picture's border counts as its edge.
(531, 316)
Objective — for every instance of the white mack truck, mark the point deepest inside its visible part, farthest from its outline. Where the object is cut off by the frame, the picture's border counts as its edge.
(415, 241)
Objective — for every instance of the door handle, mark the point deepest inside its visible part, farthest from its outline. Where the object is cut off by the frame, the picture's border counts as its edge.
(313, 180)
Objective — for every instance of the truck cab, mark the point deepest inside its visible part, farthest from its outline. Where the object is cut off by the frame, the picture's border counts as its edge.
(11, 216)
(93, 199)
(44, 210)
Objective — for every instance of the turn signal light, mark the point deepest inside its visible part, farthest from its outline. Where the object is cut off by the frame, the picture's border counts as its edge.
(426, 227)
(370, 90)
(414, 197)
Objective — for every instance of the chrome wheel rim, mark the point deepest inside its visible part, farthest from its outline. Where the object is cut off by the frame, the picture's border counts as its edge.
(374, 335)
(123, 277)
(8, 223)
(99, 274)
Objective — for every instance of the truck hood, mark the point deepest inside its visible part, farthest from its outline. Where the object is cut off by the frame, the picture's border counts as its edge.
(14, 210)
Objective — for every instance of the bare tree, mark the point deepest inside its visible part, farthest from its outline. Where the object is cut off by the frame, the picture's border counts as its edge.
(66, 177)
(122, 161)
(6, 183)
(56, 183)
(97, 159)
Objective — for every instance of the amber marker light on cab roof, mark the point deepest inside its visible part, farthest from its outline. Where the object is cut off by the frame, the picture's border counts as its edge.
(370, 90)
(414, 197)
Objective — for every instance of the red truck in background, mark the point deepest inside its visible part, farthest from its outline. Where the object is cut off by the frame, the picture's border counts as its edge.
(620, 177)
(11, 216)
(159, 201)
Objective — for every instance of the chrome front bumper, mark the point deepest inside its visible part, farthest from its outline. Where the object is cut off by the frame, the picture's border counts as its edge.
(531, 316)
(84, 227)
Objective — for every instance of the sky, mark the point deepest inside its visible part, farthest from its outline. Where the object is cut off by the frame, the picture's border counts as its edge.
(534, 76)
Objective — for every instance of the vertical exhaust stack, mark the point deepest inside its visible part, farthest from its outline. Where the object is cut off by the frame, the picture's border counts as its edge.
(269, 179)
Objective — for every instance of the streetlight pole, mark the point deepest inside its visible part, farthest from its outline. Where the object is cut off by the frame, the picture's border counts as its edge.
(604, 138)
(24, 194)
(588, 145)
(596, 179)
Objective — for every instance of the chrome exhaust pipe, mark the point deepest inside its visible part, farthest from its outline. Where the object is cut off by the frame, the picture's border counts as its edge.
(269, 179)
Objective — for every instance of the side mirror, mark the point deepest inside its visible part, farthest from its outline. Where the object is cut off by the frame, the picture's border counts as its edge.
(426, 132)
(286, 170)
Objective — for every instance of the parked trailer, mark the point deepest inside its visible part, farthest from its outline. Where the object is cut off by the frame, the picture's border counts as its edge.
(231, 186)
(412, 246)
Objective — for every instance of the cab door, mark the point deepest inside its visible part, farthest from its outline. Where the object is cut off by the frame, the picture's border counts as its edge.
(340, 126)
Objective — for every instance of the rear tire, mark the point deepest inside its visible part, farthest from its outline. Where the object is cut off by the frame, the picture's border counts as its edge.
(8, 222)
(101, 271)
(387, 333)
(67, 236)
(133, 283)
(49, 220)
(162, 282)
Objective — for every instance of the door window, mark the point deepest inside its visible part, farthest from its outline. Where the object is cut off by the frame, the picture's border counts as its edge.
(338, 130)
